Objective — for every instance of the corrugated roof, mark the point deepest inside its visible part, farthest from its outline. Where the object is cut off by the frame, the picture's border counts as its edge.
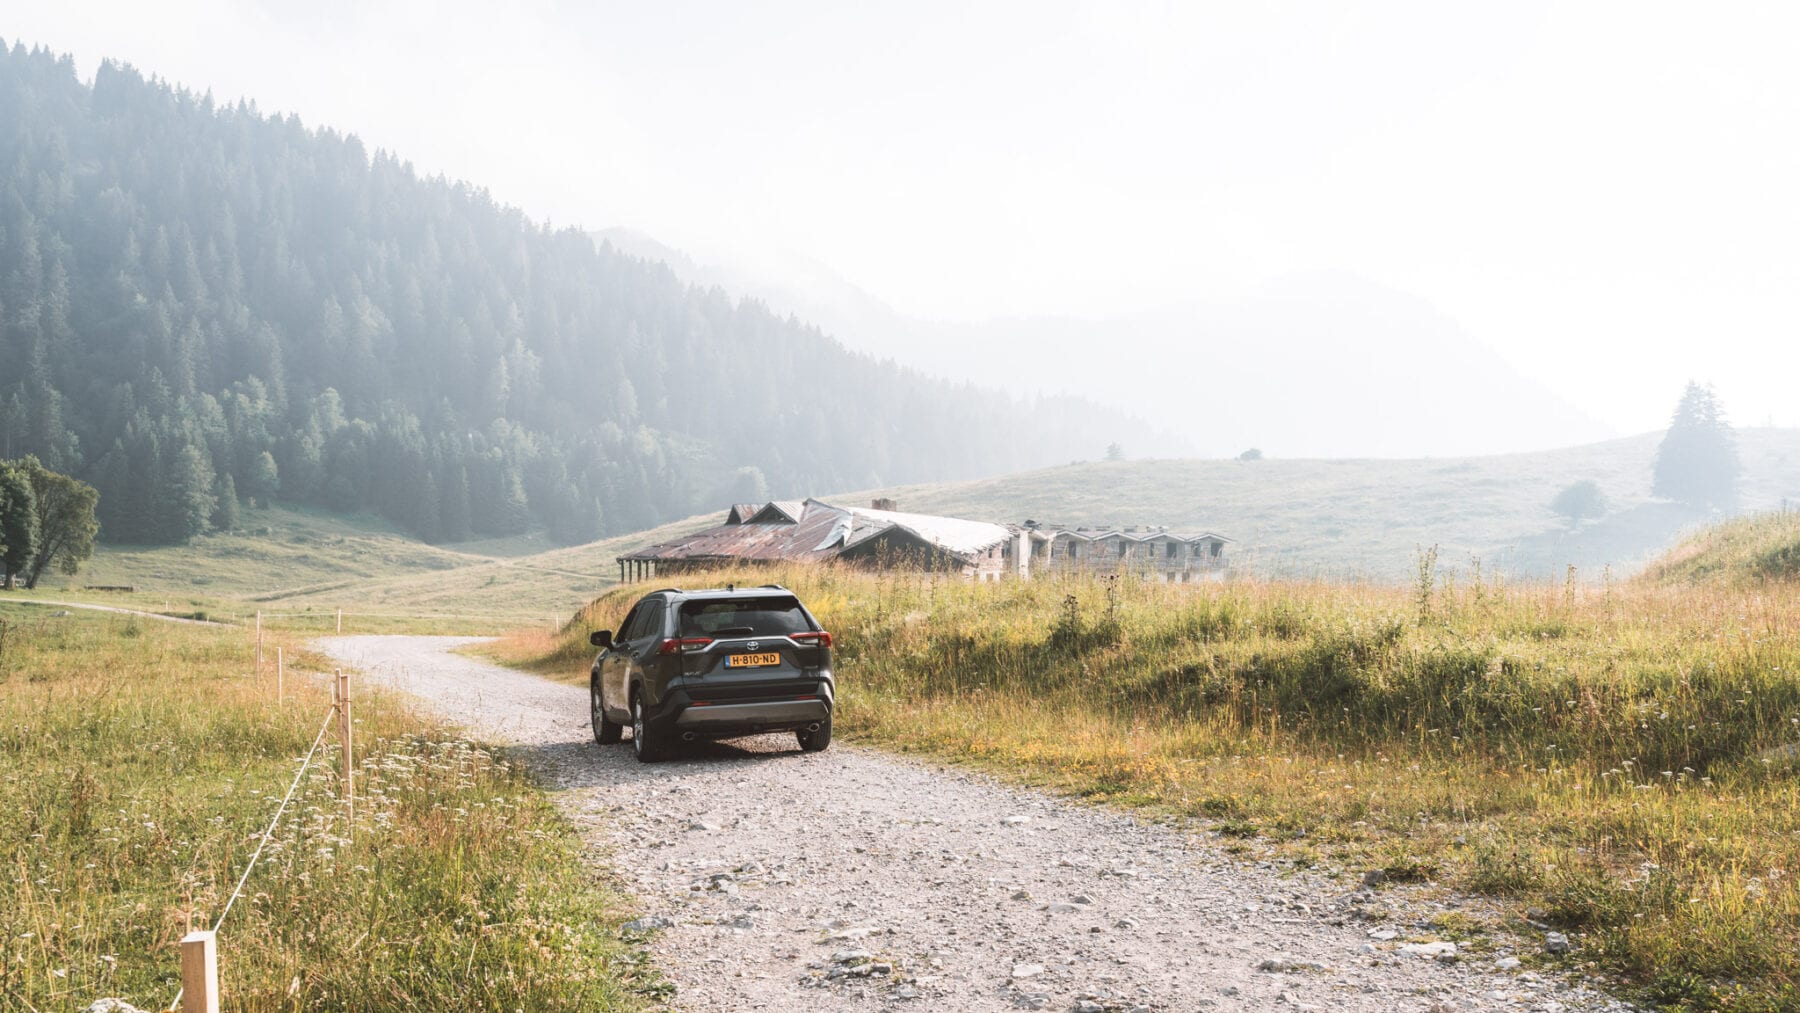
(779, 511)
(951, 533)
(761, 539)
(741, 512)
(811, 530)
(814, 530)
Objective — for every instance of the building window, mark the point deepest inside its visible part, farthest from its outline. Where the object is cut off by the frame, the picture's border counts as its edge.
(1170, 550)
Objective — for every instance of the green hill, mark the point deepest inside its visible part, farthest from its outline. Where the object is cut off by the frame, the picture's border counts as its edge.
(1742, 552)
(1341, 520)
(1350, 519)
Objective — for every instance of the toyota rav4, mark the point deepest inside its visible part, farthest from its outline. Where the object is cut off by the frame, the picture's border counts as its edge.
(712, 664)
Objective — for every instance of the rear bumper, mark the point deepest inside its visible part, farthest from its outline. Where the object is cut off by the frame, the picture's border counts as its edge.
(765, 715)
(785, 709)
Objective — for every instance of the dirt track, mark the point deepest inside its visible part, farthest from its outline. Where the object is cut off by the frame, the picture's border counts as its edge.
(778, 871)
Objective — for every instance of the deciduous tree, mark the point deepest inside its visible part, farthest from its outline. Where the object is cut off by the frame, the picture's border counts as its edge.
(65, 518)
(1580, 501)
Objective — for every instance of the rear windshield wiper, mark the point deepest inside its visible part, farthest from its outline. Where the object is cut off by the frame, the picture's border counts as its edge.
(736, 631)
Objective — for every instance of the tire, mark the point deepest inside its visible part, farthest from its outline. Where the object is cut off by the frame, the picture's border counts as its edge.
(815, 742)
(606, 730)
(644, 742)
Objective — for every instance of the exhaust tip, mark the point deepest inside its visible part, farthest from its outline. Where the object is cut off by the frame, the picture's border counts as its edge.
(813, 727)
(687, 736)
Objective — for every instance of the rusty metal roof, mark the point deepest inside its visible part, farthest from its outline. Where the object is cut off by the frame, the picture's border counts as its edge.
(758, 540)
(741, 512)
(814, 530)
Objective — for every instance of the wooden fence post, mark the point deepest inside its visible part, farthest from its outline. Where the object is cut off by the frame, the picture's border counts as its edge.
(340, 628)
(199, 973)
(343, 704)
(280, 672)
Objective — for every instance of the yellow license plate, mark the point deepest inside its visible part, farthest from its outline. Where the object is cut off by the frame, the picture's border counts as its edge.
(752, 660)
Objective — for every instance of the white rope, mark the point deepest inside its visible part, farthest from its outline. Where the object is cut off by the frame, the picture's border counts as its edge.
(285, 799)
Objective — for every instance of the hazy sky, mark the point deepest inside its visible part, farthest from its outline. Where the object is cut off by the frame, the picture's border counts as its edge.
(1607, 194)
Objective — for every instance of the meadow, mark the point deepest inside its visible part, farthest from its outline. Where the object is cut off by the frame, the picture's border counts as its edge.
(1616, 761)
(141, 760)
(1350, 520)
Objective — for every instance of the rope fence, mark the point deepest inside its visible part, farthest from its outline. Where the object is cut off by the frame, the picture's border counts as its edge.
(199, 992)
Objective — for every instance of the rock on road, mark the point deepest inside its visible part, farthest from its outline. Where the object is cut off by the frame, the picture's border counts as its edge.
(854, 880)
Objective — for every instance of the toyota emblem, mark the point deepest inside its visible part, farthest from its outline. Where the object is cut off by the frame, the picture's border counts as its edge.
(753, 645)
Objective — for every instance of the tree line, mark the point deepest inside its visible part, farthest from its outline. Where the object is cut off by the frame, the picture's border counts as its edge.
(204, 309)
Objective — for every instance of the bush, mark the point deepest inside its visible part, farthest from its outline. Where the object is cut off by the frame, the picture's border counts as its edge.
(1580, 501)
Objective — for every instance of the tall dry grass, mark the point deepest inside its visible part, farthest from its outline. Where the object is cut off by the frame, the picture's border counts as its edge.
(1614, 760)
(139, 762)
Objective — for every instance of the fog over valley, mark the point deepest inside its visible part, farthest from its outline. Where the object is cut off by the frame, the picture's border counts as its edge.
(1597, 193)
(974, 506)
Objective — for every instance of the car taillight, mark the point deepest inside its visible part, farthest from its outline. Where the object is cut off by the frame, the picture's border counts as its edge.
(686, 645)
(820, 638)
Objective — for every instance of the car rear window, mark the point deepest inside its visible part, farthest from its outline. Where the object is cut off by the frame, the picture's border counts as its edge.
(757, 617)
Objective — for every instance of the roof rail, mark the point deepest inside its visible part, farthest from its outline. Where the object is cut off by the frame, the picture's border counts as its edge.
(776, 587)
(672, 590)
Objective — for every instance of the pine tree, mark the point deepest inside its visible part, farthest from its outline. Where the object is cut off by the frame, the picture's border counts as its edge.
(186, 504)
(225, 504)
(264, 480)
(1697, 463)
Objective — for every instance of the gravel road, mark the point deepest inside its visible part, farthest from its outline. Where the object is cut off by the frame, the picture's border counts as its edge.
(858, 881)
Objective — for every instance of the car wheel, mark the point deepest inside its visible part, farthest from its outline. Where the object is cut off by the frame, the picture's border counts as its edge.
(606, 730)
(643, 740)
(812, 741)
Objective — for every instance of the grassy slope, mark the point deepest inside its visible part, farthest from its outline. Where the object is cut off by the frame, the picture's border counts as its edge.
(1307, 519)
(1746, 552)
(1596, 754)
(300, 566)
(137, 766)
(1365, 518)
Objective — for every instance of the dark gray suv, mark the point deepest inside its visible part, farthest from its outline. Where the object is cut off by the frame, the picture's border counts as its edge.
(713, 664)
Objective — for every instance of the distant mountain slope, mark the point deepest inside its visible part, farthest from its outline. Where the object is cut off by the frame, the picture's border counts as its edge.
(200, 305)
(1315, 365)
(1303, 519)
(1367, 518)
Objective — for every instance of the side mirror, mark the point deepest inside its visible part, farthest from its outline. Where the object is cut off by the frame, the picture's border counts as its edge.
(600, 638)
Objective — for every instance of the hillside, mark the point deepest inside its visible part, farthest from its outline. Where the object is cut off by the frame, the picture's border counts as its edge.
(1347, 520)
(1751, 551)
(1215, 377)
(202, 306)
(1366, 518)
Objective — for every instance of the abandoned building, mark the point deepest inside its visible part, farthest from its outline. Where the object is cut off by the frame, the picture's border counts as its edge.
(1152, 551)
(810, 530)
(881, 537)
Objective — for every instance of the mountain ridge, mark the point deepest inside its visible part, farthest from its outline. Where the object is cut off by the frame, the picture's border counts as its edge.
(209, 307)
(1348, 348)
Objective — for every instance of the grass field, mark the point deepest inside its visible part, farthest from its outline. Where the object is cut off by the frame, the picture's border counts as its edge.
(1333, 520)
(138, 765)
(1617, 761)
(1747, 552)
(1362, 519)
